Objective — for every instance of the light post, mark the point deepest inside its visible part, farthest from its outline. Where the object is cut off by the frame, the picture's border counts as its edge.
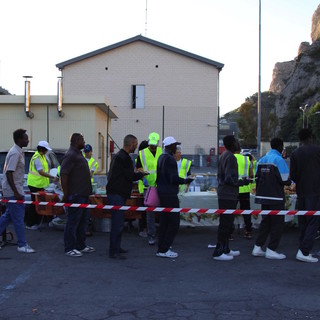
(303, 109)
(259, 89)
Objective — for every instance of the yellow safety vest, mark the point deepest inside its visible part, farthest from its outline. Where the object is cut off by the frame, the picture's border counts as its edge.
(34, 178)
(184, 169)
(149, 163)
(140, 182)
(243, 170)
(92, 165)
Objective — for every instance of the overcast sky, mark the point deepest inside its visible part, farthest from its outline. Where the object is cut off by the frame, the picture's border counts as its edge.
(38, 34)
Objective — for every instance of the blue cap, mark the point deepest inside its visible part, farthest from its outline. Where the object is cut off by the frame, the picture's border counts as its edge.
(87, 148)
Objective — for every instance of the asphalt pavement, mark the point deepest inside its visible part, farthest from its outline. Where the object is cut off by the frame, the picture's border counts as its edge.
(50, 285)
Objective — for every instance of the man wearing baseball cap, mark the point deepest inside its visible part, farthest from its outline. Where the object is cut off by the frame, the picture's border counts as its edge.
(168, 182)
(38, 180)
(92, 163)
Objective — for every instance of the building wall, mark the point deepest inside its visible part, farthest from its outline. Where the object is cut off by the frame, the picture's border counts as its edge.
(186, 87)
(47, 125)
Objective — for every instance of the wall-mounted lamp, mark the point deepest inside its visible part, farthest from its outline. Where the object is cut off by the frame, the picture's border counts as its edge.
(60, 97)
(29, 114)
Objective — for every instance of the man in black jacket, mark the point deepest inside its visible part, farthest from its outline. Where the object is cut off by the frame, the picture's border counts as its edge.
(305, 172)
(119, 186)
(168, 182)
(228, 191)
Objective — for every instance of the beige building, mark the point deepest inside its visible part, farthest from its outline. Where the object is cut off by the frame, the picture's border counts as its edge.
(154, 87)
(90, 116)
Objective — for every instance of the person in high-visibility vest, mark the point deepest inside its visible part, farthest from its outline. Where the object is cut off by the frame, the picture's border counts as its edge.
(38, 180)
(147, 161)
(93, 167)
(254, 164)
(142, 186)
(184, 167)
(92, 163)
(245, 171)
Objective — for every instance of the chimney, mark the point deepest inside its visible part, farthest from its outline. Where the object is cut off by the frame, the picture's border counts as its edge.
(27, 99)
(60, 97)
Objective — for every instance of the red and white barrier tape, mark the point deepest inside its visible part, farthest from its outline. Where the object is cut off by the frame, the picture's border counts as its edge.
(159, 209)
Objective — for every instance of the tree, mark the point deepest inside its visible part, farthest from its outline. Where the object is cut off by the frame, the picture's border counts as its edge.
(247, 123)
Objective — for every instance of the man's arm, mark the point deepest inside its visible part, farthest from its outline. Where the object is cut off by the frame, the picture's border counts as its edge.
(64, 186)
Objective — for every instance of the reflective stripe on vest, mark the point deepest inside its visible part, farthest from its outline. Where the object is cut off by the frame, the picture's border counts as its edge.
(34, 178)
(243, 171)
(149, 163)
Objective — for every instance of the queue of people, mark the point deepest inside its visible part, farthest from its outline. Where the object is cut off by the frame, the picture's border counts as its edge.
(169, 173)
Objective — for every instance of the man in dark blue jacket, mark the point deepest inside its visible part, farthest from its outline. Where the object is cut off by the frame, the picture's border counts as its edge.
(168, 182)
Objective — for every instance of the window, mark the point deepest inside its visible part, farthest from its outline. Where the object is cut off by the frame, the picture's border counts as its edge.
(138, 96)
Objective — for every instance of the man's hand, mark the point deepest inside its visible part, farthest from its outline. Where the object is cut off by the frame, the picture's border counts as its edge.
(189, 180)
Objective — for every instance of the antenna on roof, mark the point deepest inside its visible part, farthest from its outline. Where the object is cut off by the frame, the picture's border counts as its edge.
(146, 20)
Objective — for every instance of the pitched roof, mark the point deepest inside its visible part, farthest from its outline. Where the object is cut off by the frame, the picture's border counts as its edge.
(216, 64)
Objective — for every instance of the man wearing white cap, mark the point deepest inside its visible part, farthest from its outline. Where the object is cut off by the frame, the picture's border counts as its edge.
(38, 180)
(168, 182)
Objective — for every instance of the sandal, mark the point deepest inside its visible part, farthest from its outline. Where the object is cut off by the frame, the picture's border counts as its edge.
(74, 253)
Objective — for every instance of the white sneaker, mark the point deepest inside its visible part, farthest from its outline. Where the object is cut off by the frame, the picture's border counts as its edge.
(88, 249)
(301, 257)
(258, 252)
(34, 227)
(233, 253)
(26, 249)
(151, 241)
(143, 234)
(270, 254)
(223, 257)
(168, 254)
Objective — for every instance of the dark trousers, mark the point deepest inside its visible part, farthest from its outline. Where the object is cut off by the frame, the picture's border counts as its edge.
(244, 201)
(271, 225)
(32, 218)
(308, 225)
(76, 225)
(117, 223)
(143, 221)
(169, 222)
(225, 227)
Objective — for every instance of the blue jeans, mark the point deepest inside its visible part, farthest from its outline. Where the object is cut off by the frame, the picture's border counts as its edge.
(76, 225)
(14, 213)
(117, 222)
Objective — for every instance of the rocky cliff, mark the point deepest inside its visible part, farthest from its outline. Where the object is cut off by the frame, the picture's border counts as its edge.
(297, 82)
